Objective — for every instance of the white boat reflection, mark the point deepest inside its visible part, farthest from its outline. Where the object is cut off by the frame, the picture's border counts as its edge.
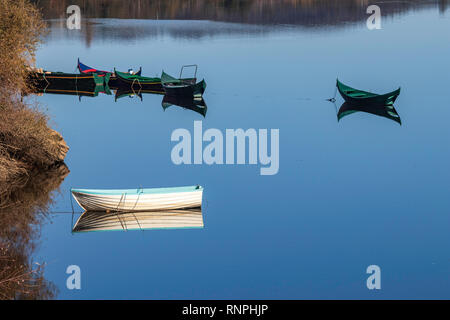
(143, 220)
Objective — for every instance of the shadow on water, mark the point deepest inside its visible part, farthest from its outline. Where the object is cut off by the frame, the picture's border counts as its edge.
(23, 211)
(77, 85)
(197, 105)
(141, 220)
(385, 111)
(88, 88)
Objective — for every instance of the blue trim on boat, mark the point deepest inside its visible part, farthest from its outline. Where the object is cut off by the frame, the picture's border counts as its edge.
(138, 190)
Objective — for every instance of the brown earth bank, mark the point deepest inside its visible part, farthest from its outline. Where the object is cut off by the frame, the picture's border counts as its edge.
(27, 145)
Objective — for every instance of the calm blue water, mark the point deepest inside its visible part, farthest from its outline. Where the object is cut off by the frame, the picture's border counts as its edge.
(348, 194)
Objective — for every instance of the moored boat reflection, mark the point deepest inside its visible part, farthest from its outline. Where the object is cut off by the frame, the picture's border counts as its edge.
(89, 85)
(386, 111)
(143, 220)
(129, 91)
(189, 103)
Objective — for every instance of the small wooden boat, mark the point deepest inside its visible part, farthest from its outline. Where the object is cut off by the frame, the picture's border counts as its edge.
(139, 199)
(134, 80)
(84, 69)
(385, 111)
(142, 220)
(67, 83)
(189, 103)
(356, 96)
(113, 82)
(62, 77)
(183, 86)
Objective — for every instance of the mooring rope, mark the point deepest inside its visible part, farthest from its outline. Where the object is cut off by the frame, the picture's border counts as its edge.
(124, 195)
(137, 220)
(65, 212)
(71, 202)
(334, 97)
(137, 199)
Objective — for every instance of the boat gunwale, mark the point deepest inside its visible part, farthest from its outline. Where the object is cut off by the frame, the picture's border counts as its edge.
(369, 95)
(169, 81)
(118, 192)
(133, 78)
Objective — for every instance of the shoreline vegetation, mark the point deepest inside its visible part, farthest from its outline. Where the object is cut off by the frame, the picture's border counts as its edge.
(31, 155)
(27, 143)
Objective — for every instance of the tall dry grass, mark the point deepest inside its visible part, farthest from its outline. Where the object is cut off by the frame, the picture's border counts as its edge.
(21, 31)
(26, 141)
(31, 155)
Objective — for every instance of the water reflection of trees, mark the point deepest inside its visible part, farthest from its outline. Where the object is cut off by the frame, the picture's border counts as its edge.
(443, 5)
(254, 16)
(23, 210)
(302, 12)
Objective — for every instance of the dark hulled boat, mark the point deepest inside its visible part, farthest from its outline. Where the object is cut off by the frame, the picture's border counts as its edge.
(113, 82)
(356, 96)
(183, 86)
(63, 78)
(138, 81)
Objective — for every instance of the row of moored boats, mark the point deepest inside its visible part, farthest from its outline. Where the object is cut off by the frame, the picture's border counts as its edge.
(89, 78)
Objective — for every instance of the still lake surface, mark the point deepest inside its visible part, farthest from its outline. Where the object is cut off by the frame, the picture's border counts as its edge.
(348, 194)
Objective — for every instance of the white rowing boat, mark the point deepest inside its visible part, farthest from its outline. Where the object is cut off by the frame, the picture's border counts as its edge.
(139, 199)
(141, 220)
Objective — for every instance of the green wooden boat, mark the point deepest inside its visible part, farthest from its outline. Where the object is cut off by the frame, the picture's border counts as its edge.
(385, 111)
(127, 79)
(62, 78)
(182, 87)
(356, 96)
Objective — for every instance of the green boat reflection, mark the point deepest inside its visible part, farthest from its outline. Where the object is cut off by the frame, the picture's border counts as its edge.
(197, 105)
(188, 103)
(68, 84)
(127, 91)
(385, 111)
